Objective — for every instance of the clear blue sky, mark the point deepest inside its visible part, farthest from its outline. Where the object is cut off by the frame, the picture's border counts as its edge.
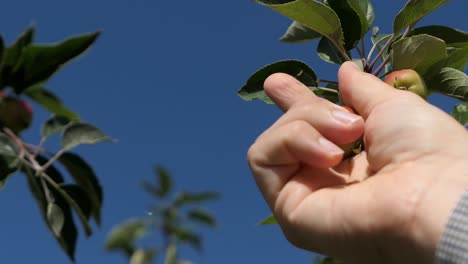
(162, 79)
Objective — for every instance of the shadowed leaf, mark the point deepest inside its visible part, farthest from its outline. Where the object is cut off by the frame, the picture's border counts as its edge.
(253, 89)
(38, 63)
(49, 101)
(202, 217)
(164, 181)
(84, 176)
(297, 33)
(53, 125)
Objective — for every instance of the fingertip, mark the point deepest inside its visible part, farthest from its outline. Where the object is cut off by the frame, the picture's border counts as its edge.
(283, 89)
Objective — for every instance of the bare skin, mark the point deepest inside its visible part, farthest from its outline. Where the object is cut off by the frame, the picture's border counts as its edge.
(387, 205)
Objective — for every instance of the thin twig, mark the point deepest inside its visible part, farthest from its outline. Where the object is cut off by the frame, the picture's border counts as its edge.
(328, 81)
(386, 60)
(376, 58)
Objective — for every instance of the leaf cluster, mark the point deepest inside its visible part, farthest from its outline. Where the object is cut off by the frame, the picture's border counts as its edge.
(438, 53)
(173, 216)
(25, 67)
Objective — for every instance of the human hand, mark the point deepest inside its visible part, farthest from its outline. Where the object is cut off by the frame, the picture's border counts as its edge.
(388, 204)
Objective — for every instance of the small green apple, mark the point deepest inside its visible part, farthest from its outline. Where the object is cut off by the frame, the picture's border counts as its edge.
(408, 80)
(15, 113)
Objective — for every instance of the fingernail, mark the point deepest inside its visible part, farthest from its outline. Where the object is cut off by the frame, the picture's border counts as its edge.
(344, 116)
(329, 146)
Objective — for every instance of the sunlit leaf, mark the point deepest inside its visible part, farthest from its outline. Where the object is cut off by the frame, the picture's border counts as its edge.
(82, 133)
(38, 63)
(270, 220)
(297, 33)
(420, 52)
(143, 256)
(253, 89)
(55, 218)
(49, 101)
(413, 11)
(312, 14)
(457, 57)
(460, 113)
(451, 82)
(54, 124)
(123, 236)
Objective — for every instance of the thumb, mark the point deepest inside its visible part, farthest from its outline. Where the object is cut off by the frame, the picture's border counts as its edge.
(362, 91)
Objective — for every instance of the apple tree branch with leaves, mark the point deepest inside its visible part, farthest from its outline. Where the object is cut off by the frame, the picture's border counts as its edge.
(25, 68)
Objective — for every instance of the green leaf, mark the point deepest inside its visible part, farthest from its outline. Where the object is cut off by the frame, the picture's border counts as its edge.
(39, 62)
(460, 113)
(84, 176)
(349, 18)
(421, 53)
(187, 236)
(253, 89)
(13, 53)
(457, 57)
(315, 15)
(68, 235)
(54, 124)
(164, 181)
(270, 220)
(49, 101)
(328, 52)
(202, 217)
(414, 11)
(123, 236)
(326, 93)
(450, 36)
(9, 161)
(78, 133)
(451, 82)
(143, 256)
(327, 260)
(81, 198)
(51, 171)
(185, 198)
(297, 33)
(55, 218)
(72, 203)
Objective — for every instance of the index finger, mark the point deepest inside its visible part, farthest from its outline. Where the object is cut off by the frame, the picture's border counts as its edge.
(285, 90)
